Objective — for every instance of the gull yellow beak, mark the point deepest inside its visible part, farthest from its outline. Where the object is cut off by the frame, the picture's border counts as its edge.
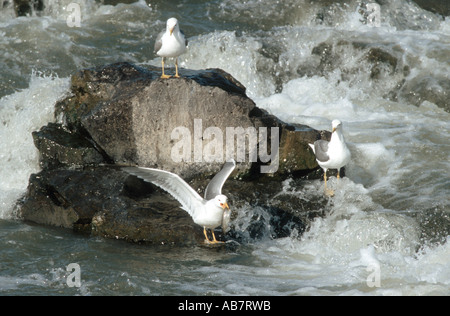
(171, 30)
(225, 205)
(334, 129)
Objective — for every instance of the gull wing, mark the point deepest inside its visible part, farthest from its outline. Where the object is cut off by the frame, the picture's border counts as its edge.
(185, 38)
(214, 187)
(158, 42)
(320, 150)
(172, 183)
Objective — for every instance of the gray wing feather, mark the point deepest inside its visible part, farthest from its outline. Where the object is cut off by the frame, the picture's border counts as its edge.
(172, 183)
(214, 187)
(320, 150)
(158, 42)
(185, 38)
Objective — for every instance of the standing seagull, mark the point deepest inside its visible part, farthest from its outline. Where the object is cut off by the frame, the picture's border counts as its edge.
(170, 43)
(210, 212)
(333, 154)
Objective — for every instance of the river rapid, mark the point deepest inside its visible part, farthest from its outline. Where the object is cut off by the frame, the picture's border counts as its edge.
(382, 70)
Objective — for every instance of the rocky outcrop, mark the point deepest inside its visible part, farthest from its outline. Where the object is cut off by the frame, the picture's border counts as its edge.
(133, 117)
(122, 114)
(105, 201)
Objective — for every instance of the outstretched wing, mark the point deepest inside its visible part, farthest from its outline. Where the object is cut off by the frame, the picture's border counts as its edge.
(172, 183)
(214, 187)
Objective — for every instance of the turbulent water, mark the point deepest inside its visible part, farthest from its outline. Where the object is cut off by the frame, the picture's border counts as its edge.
(386, 231)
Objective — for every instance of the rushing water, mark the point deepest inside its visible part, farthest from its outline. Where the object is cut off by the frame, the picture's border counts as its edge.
(386, 231)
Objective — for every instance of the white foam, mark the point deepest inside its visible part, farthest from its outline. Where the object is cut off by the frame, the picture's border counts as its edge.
(22, 113)
(445, 25)
(306, 98)
(343, 256)
(237, 55)
(400, 152)
(357, 240)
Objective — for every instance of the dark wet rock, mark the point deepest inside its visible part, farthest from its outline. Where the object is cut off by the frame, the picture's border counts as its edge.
(131, 114)
(105, 201)
(295, 155)
(27, 7)
(60, 147)
(122, 114)
(379, 59)
(427, 88)
(95, 201)
(382, 63)
(325, 52)
(386, 67)
(441, 7)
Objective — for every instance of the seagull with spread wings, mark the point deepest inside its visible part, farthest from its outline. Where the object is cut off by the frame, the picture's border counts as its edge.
(209, 212)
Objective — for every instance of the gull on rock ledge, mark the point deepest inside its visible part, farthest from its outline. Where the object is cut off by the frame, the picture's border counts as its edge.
(332, 154)
(209, 212)
(170, 43)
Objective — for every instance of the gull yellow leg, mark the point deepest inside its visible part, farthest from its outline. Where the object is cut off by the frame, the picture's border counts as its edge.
(327, 191)
(176, 69)
(164, 76)
(206, 236)
(215, 241)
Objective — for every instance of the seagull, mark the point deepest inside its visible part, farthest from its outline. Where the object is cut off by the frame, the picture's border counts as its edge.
(170, 43)
(332, 154)
(209, 212)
